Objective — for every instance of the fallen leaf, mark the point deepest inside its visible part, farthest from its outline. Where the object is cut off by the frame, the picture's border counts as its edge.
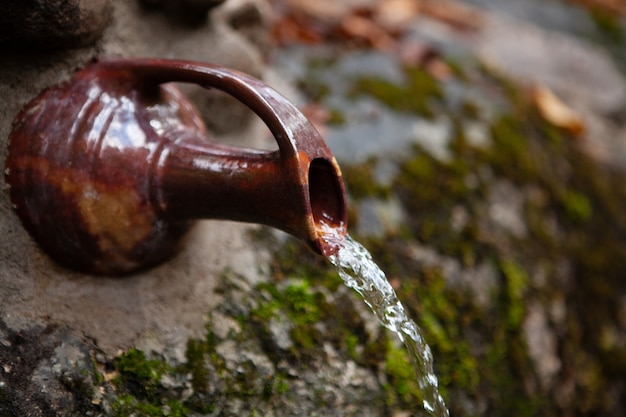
(438, 69)
(366, 29)
(396, 15)
(453, 13)
(323, 10)
(292, 29)
(556, 112)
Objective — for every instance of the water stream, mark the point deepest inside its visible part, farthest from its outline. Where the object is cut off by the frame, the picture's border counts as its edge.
(359, 272)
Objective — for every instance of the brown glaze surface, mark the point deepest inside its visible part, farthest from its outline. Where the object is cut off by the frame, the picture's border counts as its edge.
(107, 170)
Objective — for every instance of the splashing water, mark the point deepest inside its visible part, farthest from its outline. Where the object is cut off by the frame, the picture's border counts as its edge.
(358, 271)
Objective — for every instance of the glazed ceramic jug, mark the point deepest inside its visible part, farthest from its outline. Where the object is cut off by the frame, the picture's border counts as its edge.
(109, 170)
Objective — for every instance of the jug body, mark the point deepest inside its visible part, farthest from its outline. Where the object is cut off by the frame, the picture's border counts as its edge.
(82, 159)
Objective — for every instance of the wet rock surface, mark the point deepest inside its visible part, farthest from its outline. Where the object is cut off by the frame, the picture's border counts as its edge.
(500, 223)
(46, 371)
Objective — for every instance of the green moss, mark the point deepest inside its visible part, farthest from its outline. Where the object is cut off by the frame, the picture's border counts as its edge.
(505, 376)
(470, 110)
(127, 405)
(298, 304)
(609, 23)
(302, 303)
(336, 117)
(573, 190)
(306, 308)
(577, 205)
(458, 69)
(512, 154)
(278, 385)
(196, 356)
(360, 181)
(402, 390)
(415, 96)
(296, 300)
(140, 375)
(432, 190)
(516, 284)
(305, 338)
(444, 315)
(351, 343)
(140, 390)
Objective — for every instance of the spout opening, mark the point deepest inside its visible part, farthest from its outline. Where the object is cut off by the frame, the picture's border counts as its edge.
(327, 199)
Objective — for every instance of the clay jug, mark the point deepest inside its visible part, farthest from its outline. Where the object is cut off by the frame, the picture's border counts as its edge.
(109, 170)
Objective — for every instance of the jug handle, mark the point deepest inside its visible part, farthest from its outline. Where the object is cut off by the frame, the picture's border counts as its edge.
(291, 129)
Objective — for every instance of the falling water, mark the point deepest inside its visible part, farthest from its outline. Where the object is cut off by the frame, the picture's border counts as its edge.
(357, 269)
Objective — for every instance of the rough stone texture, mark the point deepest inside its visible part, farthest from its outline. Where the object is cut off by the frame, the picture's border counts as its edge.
(41, 25)
(185, 11)
(542, 344)
(46, 371)
(314, 380)
(582, 73)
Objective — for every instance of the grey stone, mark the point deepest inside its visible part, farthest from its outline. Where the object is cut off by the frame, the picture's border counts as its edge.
(280, 329)
(190, 12)
(506, 209)
(52, 23)
(46, 371)
(542, 344)
(580, 72)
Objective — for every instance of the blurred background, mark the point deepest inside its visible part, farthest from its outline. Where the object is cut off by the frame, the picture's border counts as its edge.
(483, 145)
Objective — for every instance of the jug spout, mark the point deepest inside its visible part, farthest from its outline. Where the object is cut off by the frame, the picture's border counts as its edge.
(108, 170)
(303, 196)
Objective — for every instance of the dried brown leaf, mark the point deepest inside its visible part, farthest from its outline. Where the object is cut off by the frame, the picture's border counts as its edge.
(396, 15)
(366, 29)
(323, 10)
(438, 69)
(453, 13)
(290, 29)
(556, 112)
